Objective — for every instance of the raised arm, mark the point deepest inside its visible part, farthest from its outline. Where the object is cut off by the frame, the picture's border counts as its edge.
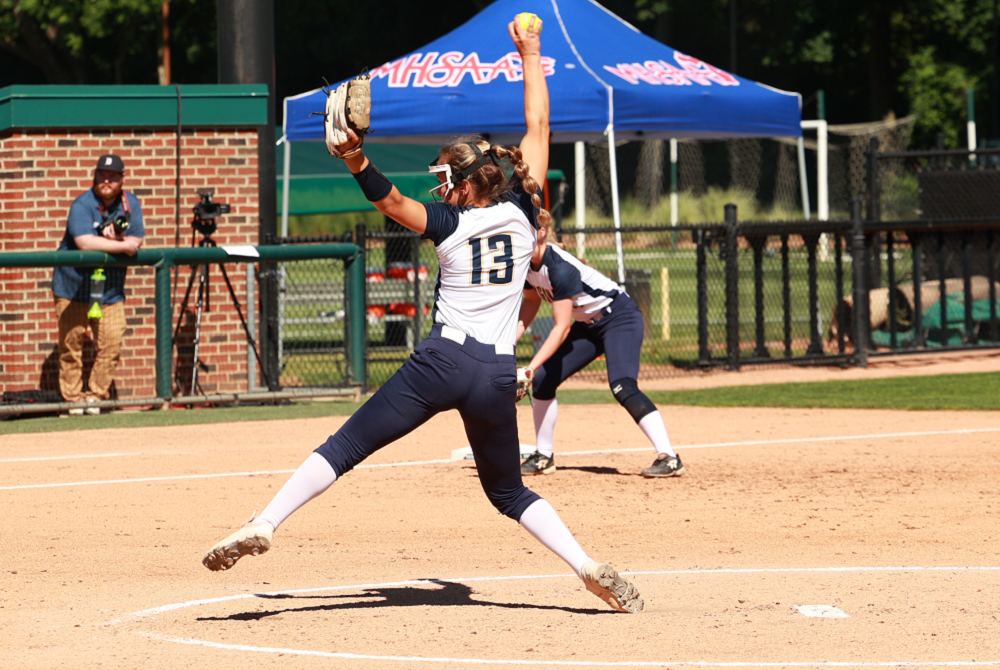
(535, 145)
(406, 211)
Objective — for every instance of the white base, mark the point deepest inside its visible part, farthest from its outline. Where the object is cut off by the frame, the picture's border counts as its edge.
(465, 453)
(823, 611)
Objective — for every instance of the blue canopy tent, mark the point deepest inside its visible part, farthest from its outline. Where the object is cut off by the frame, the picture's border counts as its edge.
(606, 81)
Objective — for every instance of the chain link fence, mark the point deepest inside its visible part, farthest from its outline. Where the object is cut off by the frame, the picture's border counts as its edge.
(724, 291)
(936, 211)
(765, 284)
(762, 175)
(312, 317)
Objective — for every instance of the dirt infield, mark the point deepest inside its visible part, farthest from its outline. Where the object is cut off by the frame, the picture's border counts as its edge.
(890, 517)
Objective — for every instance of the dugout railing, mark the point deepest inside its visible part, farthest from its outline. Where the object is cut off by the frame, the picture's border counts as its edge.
(348, 255)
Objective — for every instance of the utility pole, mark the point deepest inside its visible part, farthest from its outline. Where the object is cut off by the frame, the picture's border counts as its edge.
(246, 56)
(163, 71)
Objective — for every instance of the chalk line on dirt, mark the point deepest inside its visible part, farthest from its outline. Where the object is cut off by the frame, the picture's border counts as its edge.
(151, 613)
(748, 443)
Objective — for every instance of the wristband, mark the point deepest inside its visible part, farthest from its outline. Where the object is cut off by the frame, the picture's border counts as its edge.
(373, 183)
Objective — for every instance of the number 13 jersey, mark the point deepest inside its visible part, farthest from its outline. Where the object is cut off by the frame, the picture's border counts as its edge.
(483, 254)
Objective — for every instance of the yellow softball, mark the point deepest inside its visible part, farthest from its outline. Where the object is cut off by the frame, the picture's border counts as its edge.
(530, 22)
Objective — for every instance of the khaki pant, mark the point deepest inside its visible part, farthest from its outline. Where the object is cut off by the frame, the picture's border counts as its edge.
(107, 334)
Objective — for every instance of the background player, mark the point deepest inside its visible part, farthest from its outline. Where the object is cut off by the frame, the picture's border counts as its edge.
(484, 234)
(593, 316)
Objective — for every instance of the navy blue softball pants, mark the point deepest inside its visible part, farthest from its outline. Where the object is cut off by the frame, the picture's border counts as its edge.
(440, 375)
(618, 336)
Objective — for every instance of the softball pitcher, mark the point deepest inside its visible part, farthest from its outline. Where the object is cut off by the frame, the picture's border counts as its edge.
(484, 232)
(593, 316)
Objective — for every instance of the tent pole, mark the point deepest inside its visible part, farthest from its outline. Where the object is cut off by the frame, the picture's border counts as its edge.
(674, 205)
(803, 179)
(822, 173)
(580, 183)
(285, 174)
(616, 210)
(822, 178)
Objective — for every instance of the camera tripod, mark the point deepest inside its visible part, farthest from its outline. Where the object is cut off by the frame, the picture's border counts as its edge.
(206, 228)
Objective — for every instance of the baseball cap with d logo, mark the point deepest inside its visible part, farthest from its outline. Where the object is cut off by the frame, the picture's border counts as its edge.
(110, 162)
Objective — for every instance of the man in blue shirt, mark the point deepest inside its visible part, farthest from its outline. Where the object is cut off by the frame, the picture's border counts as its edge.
(107, 219)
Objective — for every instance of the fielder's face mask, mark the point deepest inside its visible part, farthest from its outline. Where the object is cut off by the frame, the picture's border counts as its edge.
(454, 177)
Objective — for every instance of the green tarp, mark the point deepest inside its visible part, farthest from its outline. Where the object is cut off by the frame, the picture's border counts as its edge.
(953, 332)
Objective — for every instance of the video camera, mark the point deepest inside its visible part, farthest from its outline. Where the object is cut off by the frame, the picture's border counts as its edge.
(120, 223)
(206, 211)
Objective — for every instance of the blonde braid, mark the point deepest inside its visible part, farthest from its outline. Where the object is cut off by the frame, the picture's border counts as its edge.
(521, 175)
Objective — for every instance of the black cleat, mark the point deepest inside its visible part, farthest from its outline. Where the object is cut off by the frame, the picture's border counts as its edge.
(665, 465)
(538, 464)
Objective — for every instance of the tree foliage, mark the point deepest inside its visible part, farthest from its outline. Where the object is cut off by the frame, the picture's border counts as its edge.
(101, 41)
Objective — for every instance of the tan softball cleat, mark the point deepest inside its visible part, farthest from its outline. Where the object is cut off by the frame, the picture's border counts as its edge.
(604, 581)
(253, 539)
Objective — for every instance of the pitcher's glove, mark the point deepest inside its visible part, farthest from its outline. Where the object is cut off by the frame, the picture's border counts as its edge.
(349, 106)
(524, 377)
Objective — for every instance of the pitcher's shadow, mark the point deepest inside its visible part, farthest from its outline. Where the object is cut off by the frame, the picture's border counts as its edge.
(594, 469)
(453, 594)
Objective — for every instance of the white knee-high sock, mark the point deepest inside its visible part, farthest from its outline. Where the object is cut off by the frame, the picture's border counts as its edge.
(652, 425)
(542, 521)
(545, 413)
(314, 476)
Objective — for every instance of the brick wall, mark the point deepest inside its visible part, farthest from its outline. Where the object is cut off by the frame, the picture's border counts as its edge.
(41, 173)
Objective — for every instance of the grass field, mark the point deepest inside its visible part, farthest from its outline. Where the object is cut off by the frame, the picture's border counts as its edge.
(975, 391)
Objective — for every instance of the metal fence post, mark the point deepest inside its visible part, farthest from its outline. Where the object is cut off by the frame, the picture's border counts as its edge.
(890, 251)
(354, 287)
(942, 288)
(786, 296)
(361, 239)
(970, 334)
(917, 260)
(732, 289)
(838, 270)
(991, 273)
(861, 321)
(269, 292)
(164, 340)
(758, 243)
(815, 339)
(873, 196)
(701, 270)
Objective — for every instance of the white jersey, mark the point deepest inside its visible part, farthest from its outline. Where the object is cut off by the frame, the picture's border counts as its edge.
(562, 276)
(484, 253)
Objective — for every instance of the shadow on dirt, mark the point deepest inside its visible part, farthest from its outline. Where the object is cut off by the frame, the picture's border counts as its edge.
(452, 594)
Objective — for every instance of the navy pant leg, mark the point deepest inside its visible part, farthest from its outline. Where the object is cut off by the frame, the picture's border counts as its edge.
(439, 376)
(422, 387)
(489, 412)
(580, 348)
(621, 334)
